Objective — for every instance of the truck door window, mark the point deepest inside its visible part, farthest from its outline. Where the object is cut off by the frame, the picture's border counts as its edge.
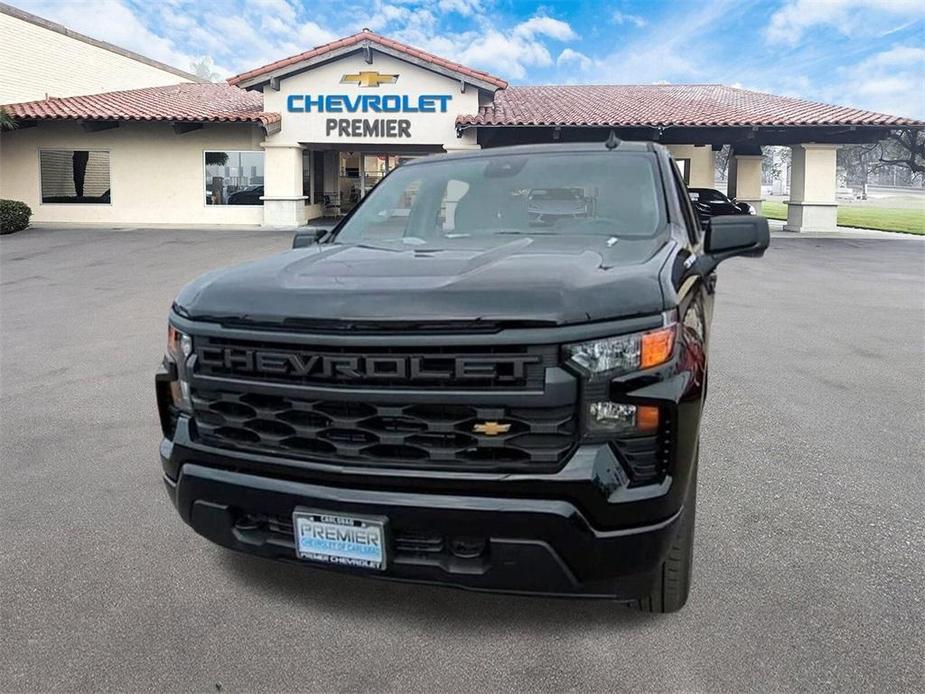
(691, 220)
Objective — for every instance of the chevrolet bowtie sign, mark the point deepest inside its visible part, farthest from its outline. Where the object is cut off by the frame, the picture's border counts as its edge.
(369, 78)
(368, 103)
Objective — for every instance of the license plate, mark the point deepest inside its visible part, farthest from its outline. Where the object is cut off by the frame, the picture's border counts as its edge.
(335, 539)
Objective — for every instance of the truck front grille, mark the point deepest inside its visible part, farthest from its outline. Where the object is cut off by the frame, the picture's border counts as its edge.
(422, 368)
(419, 435)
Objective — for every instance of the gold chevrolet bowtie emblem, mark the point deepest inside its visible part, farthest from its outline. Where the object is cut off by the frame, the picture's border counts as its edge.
(369, 78)
(491, 428)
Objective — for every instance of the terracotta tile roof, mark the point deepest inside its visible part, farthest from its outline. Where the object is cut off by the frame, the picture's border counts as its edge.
(686, 105)
(373, 38)
(203, 102)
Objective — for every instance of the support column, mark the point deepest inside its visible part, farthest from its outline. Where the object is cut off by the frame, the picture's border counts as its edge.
(700, 161)
(283, 201)
(812, 205)
(467, 141)
(745, 179)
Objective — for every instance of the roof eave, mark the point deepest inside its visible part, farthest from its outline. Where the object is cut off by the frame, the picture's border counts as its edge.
(257, 81)
(911, 124)
(269, 121)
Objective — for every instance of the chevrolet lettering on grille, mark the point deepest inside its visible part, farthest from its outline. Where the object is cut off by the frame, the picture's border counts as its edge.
(342, 367)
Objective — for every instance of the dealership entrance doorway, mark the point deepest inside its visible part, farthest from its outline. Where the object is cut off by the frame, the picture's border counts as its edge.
(335, 179)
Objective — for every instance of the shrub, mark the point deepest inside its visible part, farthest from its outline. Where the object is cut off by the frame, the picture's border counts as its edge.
(14, 216)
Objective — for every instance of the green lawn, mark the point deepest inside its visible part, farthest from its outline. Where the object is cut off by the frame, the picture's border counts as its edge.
(906, 220)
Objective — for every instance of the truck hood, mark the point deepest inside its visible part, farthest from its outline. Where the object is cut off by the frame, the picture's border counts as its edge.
(551, 279)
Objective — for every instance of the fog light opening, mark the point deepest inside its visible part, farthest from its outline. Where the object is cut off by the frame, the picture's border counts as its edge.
(619, 418)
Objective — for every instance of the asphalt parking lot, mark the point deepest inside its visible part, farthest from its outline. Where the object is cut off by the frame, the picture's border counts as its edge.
(810, 532)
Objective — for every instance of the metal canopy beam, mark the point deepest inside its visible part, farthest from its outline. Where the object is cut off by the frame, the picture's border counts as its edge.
(746, 149)
(181, 128)
(93, 126)
(751, 137)
(373, 148)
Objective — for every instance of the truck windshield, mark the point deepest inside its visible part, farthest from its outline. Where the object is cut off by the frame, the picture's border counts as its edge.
(607, 194)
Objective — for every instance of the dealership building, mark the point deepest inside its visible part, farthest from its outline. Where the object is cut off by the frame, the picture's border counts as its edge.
(309, 135)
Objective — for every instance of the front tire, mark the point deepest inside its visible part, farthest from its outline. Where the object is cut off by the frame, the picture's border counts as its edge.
(673, 580)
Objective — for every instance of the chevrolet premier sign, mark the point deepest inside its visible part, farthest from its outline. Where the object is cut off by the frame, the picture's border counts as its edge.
(368, 103)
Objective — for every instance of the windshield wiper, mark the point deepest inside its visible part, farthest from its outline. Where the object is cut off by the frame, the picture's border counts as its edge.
(513, 232)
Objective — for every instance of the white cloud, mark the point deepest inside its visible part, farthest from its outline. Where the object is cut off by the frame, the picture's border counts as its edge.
(618, 17)
(311, 34)
(239, 35)
(505, 52)
(669, 50)
(892, 81)
(466, 8)
(115, 22)
(569, 58)
(546, 26)
(849, 17)
(280, 9)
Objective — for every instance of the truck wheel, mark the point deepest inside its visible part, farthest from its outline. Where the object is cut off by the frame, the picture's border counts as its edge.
(672, 585)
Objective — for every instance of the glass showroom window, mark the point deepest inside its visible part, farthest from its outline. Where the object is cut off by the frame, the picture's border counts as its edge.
(75, 176)
(234, 178)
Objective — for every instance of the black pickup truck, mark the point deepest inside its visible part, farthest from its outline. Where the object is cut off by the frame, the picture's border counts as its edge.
(490, 374)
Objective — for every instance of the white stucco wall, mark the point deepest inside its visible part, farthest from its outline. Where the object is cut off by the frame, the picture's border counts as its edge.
(38, 61)
(156, 175)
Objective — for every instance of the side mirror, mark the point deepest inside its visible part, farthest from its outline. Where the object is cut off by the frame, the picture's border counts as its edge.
(729, 236)
(309, 237)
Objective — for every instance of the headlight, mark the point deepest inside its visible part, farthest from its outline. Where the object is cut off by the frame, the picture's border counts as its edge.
(179, 345)
(179, 349)
(612, 356)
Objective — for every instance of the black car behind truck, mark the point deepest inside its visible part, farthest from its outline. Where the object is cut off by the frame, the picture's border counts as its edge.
(709, 203)
(453, 387)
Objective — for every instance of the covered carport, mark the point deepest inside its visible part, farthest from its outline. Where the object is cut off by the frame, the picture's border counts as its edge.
(695, 122)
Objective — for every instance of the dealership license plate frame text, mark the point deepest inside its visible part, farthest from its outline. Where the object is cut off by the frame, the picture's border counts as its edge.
(340, 540)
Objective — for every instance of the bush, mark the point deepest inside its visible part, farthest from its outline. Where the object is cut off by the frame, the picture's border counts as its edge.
(14, 216)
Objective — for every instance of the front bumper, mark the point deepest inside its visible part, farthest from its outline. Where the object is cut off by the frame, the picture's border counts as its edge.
(480, 543)
(507, 533)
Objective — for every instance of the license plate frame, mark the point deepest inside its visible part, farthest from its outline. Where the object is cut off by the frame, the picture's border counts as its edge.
(340, 539)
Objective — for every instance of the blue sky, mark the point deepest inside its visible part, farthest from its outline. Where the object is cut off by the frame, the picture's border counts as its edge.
(865, 53)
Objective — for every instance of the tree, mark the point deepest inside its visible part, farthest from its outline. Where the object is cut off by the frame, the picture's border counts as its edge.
(721, 162)
(901, 154)
(857, 162)
(775, 164)
(905, 148)
(202, 68)
(7, 122)
(216, 158)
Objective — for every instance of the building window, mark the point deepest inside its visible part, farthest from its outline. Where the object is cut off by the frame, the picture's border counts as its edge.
(75, 176)
(684, 166)
(234, 178)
